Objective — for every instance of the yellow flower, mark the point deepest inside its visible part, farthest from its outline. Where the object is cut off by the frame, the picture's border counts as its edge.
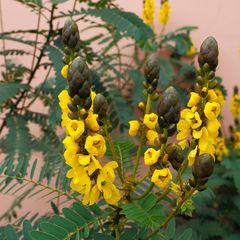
(148, 11)
(212, 110)
(79, 176)
(164, 12)
(64, 99)
(95, 145)
(93, 95)
(221, 149)
(220, 97)
(93, 166)
(191, 120)
(151, 137)
(134, 127)
(194, 99)
(64, 71)
(105, 183)
(84, 159)
(91, 122)
(235, 105)
(151, 156)
(176, 188)
(150, 120)
(71, 145)
(212, 127)
(92, 196)
(191, 51)
(71, 159)
(236, 137)
(162, 177)
(192, 156)
(75, 128)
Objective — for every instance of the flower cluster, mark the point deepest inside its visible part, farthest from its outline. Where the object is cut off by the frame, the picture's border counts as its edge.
(199, 122)
(84, 144)
(235, 103)
(221, 149)
(164, 12)
(148, 11)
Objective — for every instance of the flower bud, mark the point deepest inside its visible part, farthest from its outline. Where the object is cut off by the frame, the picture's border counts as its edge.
(70, 34)
(212, 84)
(203, 166)
(175, 154)
(168, 107)
(151, 70)
(100, 106)
(79, 79)
(235, 89)
(72, 107)
(209, 53)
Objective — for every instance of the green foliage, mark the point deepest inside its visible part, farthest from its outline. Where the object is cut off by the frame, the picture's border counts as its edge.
(145, 211)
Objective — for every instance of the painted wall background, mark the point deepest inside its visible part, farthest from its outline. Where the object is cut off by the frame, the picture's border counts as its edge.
(218, 18)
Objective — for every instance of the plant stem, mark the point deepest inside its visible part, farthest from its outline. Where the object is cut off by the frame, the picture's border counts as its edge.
(144, 194)
(113, 151)
(142, 136)
(171, 214)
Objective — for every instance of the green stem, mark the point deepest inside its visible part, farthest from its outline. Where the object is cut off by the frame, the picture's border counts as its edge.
(146, 193)
(113, 151)
(142, 137)
(171, 215)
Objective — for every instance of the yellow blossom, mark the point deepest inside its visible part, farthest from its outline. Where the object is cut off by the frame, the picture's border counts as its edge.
(150, 120)
(151, 137)
(148, 11)
(64, 99)
(93, 95)
(71, 158)
(64, 71)
(162, 177)
(164, 12)
(71, 145)
(236, 137)
(194, 99)
(220, 97)
(84, 159)
(212, 110)
(134, 127)
(95, 145)
(92, 196)
(151, 156)
(191, 51)
(235, 105)
(192, 156)
(105, 183)
(91, 122)
(93, 166)
(221, 149)
(75, 128)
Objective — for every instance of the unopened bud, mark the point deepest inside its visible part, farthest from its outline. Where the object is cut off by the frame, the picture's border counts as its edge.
(100, 106)
(151, 69)
(209, 53)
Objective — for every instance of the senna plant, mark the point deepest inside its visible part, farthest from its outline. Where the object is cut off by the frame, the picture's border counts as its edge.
(88, 128)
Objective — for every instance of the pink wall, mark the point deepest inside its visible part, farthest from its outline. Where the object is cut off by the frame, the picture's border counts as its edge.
(218, 18)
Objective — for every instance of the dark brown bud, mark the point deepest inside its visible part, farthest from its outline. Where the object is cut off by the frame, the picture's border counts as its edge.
(79, 79)
(235, 89)
(209, 53)
(70, 34)
(203, 166)
(151, 69)
(72, 107)
(100, 106)
(212, 84)
(73, 115)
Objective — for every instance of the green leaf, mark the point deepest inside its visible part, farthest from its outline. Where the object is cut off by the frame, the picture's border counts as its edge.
(17, 140)
(58, 1)
(10, 233)
(15, 39)
(101, 236)
(166, 72)
(145, 211)
(126, 22)
(171, 227)
(55, 55)
(27, 227)
(64, 223)
(129, 234)
(186, 235)
(9, 90)
(37, 235)
(58, 232)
